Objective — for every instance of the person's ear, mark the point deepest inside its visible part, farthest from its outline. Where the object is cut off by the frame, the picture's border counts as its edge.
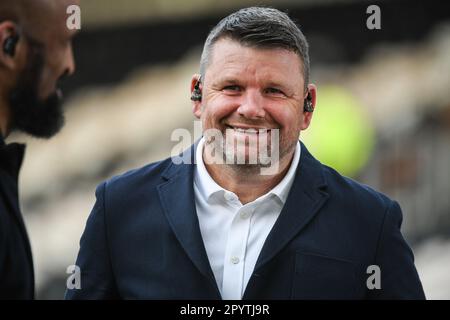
(310, 98)
(9, 43)
(196, 95)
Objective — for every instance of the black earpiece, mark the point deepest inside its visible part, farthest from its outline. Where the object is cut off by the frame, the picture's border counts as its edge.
(308, 106)
(9, 46)
(197, 93)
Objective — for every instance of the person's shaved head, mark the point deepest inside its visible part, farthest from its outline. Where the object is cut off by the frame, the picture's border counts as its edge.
(35, 17)
(41, 56)
(26, 12)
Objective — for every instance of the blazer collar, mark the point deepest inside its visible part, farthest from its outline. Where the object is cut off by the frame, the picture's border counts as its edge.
(177, 198)
(306, 197)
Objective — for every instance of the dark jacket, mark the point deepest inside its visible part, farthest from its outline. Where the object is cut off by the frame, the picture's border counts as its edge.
(16, 264)
(142, 241)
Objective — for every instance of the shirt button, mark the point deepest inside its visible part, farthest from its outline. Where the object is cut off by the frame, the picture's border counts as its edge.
(234, 260)
(244, 215)
(228, 196)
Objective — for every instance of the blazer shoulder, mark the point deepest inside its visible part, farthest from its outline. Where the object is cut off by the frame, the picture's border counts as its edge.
(347, 189)
(148, 175)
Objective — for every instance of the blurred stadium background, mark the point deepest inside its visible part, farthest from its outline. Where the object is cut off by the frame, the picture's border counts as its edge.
(383, 114)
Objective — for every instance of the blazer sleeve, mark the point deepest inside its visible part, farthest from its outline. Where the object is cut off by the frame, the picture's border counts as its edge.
(97, 279)
(399, 277)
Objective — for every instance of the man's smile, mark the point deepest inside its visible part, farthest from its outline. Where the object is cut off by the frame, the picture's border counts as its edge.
(245, 129)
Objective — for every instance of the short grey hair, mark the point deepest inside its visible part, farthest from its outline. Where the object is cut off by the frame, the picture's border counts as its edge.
(259, 27)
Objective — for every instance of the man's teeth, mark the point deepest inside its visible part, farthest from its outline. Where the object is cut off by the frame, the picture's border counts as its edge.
(249, 130)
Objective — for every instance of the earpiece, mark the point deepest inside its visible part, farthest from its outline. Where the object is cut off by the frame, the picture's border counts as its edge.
(197, 93)
(9, 46)
(308, 107)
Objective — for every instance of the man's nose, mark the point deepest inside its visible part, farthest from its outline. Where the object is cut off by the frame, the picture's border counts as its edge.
(252, 106)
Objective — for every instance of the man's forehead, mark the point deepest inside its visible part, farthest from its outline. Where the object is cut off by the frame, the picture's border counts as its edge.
(45, 17)
(51, 10)
(54, 4)
(231, 48)
(228, 53)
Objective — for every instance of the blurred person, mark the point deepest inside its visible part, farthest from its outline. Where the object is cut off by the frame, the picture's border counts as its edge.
(224, 230)
(35, 53)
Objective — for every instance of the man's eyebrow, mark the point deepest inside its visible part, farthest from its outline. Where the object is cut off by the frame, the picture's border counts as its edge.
(235, 81)
(286, 88)
(226, 80)
(273, 83)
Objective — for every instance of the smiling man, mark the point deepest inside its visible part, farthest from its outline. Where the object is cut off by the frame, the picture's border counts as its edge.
(220, 228)
(35, 53)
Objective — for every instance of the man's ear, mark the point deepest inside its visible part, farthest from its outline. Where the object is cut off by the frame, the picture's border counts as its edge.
(196, 103)
(9, 37)
(307, 116)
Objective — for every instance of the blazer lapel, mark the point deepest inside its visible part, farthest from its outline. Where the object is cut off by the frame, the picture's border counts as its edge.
(178, 201)
(306, 197)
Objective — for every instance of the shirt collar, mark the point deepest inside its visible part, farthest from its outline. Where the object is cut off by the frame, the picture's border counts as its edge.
(202, 179)
(208, 187)
(11, 156)
(281, 190)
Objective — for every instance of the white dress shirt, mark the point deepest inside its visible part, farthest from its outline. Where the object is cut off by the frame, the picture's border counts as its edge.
(234, 234)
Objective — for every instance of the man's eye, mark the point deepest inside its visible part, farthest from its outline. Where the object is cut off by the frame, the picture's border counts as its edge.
(232, 88)
(274, 91)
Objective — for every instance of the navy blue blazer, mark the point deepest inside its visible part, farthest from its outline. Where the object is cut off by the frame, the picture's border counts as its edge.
(16, 261)
(142, 240)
